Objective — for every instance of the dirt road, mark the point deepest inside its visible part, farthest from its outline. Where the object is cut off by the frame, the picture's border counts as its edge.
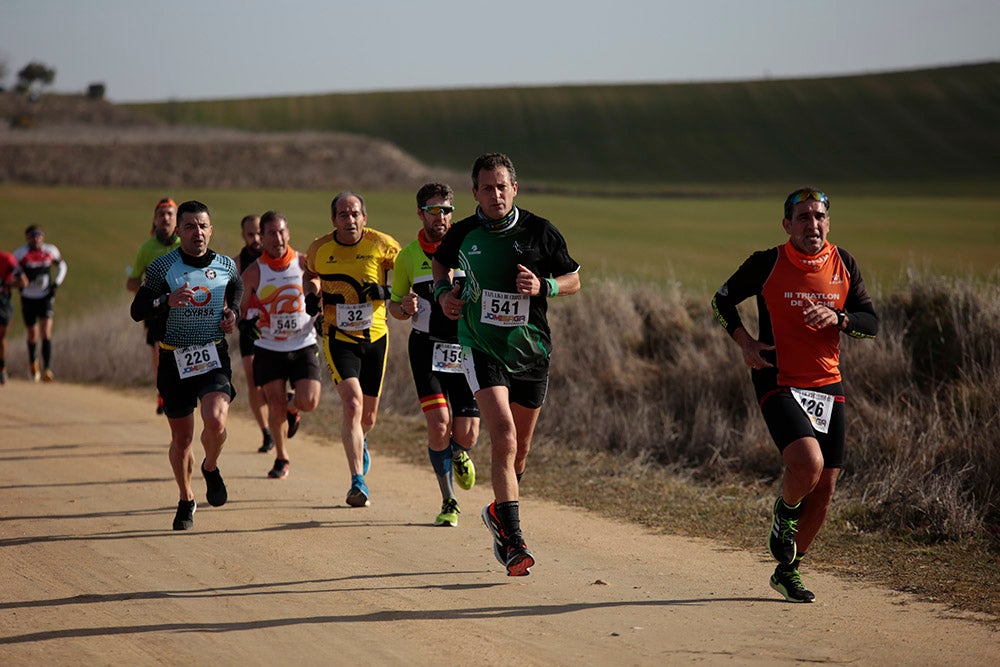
(285, 571)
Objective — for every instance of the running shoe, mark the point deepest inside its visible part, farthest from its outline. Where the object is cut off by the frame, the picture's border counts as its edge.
(280, 469)
(519, 560)
(216, 493)
(267, 444)
(294, 419)
(159, 405)
(184, 519)
(784, 526)
(358, 495)
(492, 522)
(449, 513)
(789, 584)
(366, 457)
(48, 375)
(33, 374)
(464, 470)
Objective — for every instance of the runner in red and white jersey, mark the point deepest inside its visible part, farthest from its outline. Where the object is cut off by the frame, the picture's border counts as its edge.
(45, 270)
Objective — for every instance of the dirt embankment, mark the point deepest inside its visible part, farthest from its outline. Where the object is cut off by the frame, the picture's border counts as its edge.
(72, 140)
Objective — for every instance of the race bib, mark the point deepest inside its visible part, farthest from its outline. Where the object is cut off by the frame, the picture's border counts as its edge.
(447, 358)
(196, 359)
(504, 309)
(284, 325)
(817, 406)
(355, 316)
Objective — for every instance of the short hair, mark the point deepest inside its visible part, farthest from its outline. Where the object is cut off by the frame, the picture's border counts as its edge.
(790, 200)
(33, 229)
(192, 206)
(271, 216)
(429, 190)
(491, 161)
(344, 195)
(246, 219)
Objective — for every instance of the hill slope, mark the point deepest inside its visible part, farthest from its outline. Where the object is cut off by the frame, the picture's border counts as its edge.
(936, 124)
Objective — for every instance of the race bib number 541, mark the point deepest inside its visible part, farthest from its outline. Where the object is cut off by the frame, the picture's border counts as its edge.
(505, 309)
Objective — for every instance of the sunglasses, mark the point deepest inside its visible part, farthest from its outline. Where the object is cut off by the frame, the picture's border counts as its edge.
(811, 194)
(437, 209)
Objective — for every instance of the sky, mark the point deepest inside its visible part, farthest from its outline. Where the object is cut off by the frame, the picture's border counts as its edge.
(151, 50)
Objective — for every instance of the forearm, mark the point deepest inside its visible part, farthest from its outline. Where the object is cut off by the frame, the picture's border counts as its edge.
(147, 303)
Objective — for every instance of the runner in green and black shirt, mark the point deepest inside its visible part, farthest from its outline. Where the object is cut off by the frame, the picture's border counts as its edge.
(514, 262)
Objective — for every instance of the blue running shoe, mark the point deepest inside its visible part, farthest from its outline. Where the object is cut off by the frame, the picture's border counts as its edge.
(358, 495)
(367, 458)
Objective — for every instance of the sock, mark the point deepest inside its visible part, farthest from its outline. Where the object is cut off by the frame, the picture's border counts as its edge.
(32, 352)
(790, 511)
(3, 364)
(266, 432)
(510, 516)
(519, 475)
(46, 352)
(457, 448)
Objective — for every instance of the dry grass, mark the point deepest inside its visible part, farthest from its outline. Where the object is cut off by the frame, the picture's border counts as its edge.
(665, 432)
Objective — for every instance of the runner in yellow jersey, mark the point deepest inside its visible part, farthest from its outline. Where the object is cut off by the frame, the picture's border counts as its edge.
(346, 278)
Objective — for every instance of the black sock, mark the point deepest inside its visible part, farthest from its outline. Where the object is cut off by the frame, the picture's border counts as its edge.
(32, 352)
(46, 352)
(510, 516)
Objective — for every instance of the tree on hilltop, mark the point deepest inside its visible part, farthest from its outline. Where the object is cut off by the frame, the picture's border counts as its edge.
(33, 76)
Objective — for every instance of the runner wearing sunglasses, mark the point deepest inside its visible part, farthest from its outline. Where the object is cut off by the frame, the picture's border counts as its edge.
(808, 292)
(436, 359)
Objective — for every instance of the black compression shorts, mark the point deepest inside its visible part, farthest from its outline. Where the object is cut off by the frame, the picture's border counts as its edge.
(434, 387)
(364, 360)
(787, 422)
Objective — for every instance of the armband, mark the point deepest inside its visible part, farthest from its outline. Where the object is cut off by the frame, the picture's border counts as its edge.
(440, 287)
(549, 287)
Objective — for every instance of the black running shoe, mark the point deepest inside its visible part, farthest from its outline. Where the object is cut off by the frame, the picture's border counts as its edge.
(294, 420)
(519, 559)
(789, 584)
(216, 493)
(268, 443)
(784, 526)
(280, 469)
(184, 519)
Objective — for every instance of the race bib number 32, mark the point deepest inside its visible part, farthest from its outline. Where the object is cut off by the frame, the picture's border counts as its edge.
(817, 406)
(355, 316)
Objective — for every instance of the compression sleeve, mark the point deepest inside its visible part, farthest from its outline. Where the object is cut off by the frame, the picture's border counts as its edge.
(234, 291)
(147, 303)
(862, 321)
(747, 281)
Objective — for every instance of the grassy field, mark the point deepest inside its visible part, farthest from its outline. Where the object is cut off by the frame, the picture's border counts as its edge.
(694, 242)
(937, 125)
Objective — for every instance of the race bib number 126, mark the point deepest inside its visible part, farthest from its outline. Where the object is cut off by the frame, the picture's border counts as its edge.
(817, 406)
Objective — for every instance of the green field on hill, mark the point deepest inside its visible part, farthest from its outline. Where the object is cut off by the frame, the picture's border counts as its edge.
(694, 242)
(935, 128)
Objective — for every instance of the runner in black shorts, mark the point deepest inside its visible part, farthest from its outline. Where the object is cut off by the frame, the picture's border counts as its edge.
(514, 263)
(10, 276)
(284, 335)
(198, 292)
(808, 292)
(436, 358)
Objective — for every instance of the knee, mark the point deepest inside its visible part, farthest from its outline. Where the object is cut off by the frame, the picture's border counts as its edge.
(367, 422)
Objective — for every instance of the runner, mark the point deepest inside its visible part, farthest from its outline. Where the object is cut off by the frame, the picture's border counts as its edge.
(283, 334)
(250, 231)
(808, 291)
(514, 262)
(162, 240)
(435, 355)
(199, 292)
(10, 276)
(346, 272)
(37, 260)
